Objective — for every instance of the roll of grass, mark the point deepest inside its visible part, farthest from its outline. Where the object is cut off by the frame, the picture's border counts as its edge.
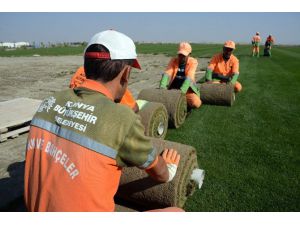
(217, 94)
(173, 100)
(154, 117)
(138, 188)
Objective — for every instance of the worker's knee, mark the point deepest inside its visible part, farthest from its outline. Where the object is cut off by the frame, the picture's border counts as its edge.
(237, 87)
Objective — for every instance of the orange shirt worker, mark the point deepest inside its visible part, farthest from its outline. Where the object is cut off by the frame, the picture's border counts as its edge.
(255, 44)
(224, 67)
(180, 74)
(80, 139)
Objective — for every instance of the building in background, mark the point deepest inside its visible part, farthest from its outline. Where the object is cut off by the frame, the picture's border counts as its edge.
(14, 44)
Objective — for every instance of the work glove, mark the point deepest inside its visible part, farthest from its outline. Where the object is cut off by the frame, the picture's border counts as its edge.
(234, 78)
(208, 75)
(141, 103)
(185, 86)
(172, 159)
(196, 90)
(164, 81)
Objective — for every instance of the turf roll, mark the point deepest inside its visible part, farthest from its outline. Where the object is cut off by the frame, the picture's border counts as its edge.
(154, 117)
(217, 94)
(173, 100)
(122, 208)
(137, 187)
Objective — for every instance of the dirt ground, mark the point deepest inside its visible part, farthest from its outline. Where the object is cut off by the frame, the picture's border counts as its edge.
(37, 78)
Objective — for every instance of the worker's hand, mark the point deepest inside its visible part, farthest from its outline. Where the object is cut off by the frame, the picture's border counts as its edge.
(172, 159)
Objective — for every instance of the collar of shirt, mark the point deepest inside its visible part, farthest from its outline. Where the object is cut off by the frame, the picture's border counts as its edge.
(96, 86)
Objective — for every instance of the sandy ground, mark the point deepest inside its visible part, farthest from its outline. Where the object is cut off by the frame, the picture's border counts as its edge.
(38, 77)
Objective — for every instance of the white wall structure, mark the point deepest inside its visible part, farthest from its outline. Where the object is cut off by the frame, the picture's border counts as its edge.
(21, 44)
(14, 45)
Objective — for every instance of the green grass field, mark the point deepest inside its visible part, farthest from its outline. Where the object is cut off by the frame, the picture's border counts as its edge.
(250, 151)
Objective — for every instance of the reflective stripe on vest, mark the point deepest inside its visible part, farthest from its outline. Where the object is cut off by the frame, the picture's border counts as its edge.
(76, 138)
(150, 159)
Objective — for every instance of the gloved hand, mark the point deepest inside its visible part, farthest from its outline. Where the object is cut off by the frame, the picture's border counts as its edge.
(141, 103)
(208, 75)
(164, 81)
(172, 159)
(185, 86)
(234, 78)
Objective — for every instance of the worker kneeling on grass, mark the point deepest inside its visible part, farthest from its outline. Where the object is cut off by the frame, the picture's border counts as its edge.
(224, 67)
(80, 138)
(79, 77)
(180, 74)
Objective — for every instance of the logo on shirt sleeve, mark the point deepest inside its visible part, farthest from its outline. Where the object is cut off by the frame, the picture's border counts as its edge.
(47, 104)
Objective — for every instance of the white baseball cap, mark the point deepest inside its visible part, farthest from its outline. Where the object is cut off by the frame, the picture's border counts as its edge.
(119, 45)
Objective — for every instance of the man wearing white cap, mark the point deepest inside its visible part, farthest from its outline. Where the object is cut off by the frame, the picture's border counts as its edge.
(180, 74)
(80, 138)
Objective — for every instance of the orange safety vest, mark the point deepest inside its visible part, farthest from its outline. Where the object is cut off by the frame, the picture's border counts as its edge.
(190, 68)
(256, 38)
(75, 150)
(270, 39)
(219, 66)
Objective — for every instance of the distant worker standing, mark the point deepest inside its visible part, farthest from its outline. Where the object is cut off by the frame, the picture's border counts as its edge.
(80, 139)
(180, 74)
(224, 67)
(255, 45)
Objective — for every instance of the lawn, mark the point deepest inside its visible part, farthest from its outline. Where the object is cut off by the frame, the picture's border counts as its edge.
(250, 151)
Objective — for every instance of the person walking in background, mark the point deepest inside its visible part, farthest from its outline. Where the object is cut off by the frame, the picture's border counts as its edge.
(80, 139)
(255, 44)
(224, 67)
(180, 74)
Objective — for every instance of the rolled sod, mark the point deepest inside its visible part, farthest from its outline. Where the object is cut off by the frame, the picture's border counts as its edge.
(122, 208)
(217, 94)
(173, 100)
(138, 188)
(154, 117)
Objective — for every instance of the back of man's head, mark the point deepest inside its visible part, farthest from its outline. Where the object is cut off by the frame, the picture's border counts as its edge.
(102, 69)
(106, 55)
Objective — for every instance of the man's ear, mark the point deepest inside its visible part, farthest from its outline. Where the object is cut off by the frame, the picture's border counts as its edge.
(125, 74)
